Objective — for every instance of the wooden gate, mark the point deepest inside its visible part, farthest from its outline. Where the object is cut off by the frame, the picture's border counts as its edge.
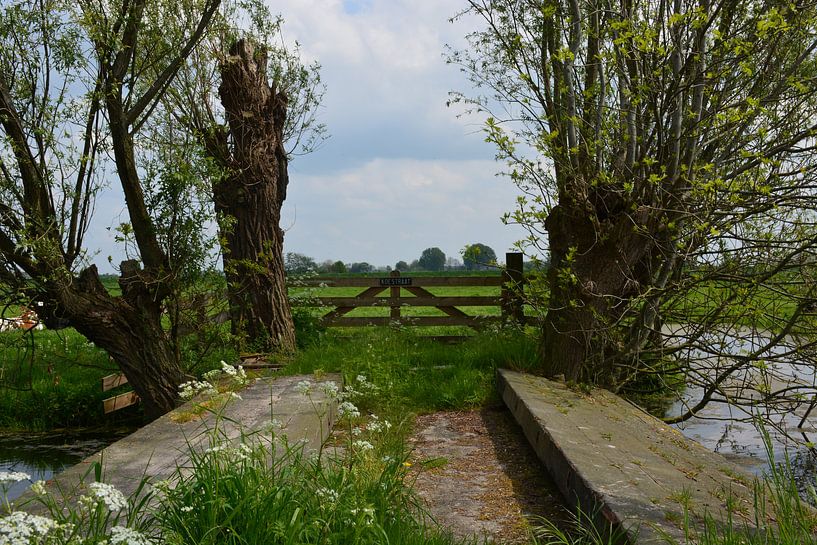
(510, 301)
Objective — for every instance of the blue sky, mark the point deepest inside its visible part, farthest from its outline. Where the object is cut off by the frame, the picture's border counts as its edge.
(400, 171)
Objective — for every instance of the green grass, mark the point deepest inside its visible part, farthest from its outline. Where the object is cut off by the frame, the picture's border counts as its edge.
(262, 490)
(51, 379)
(279, 496)
(418, 374)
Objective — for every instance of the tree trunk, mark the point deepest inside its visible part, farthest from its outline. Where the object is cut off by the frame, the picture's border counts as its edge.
(598, 265)
(129, 328)
(249, 199)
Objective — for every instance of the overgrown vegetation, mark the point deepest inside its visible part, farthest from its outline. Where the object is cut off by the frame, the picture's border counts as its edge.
(417, 374)
(261, 490)
(53, 379)
(663, 155)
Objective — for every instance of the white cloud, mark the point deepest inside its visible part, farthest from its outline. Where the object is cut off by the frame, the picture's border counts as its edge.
(400, 172)
(392, 209)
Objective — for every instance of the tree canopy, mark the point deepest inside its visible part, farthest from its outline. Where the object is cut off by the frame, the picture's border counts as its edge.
(432, 259)
(80, 85)
(478, 256)
(299, 263)
(665, 156)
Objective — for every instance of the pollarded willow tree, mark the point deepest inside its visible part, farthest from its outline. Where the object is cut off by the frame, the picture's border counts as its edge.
(79, 82)
(666, 155)
(252, 104)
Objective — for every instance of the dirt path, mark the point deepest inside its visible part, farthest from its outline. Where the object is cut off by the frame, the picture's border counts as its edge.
(478, 475)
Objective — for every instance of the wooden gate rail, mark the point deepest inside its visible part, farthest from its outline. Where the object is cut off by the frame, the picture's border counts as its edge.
(510, 301)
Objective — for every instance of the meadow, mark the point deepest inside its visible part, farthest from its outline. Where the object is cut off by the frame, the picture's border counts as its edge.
(51, 380)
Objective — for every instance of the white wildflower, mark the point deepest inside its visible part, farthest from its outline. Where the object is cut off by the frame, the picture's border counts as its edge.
(350, 392)
(241, 377)
(39, 488)
(328, 494)
(237, 374)
(13, 477)
(347, 408)
(21, 528)
(376, 425)
(368, 515)
(113, 499)
(274, 426)
(228, 369)
(356, 431)
(363, 446)
(190, 389)
(330, 389)
(364, 384)
(211, 375)
(128, 536)
(186, 508)
(243, 452)
(304, 387)
(162, 486)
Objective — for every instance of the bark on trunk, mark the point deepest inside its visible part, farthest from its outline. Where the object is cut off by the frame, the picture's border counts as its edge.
(129, 329)
(249, 200)
(597, 266)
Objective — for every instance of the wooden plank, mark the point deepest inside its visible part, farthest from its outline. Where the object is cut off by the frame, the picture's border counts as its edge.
(446, 339)
(451, 311)
(340, 311)
(112, 381)
(428, 281)
(394, 293)
(473, 301)
(513, 288)
(120, 402)
(362, 321)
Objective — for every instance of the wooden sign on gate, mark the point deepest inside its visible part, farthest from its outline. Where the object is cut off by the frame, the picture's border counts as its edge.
(396, 281)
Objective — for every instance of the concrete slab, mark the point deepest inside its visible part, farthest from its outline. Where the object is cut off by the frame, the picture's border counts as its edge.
(157, 449)
(610, 457)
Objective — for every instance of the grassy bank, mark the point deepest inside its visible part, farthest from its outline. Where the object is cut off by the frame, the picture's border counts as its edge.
(262, 490)
(51, 379)
(418, 374)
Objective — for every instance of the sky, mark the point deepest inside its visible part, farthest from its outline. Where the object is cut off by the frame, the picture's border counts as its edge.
(401, 171)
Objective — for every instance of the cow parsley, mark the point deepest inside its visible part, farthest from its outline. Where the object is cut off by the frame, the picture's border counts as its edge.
(13, 477)
(113, 499)
(121, 535)
(21, 528)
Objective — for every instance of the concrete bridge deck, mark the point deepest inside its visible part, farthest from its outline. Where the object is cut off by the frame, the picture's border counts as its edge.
(159, 448)
(609, 456)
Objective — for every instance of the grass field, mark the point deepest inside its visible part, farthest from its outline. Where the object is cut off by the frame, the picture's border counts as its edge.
(51, 379)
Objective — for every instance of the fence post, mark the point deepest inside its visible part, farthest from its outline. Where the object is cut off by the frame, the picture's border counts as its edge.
(394, 293)
(512, 288)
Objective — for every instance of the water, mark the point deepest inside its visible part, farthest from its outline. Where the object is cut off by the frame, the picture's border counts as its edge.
(729, 429)
(44, 455)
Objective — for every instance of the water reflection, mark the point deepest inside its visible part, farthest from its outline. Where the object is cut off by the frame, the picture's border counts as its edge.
(44, 455)
(727, 427)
